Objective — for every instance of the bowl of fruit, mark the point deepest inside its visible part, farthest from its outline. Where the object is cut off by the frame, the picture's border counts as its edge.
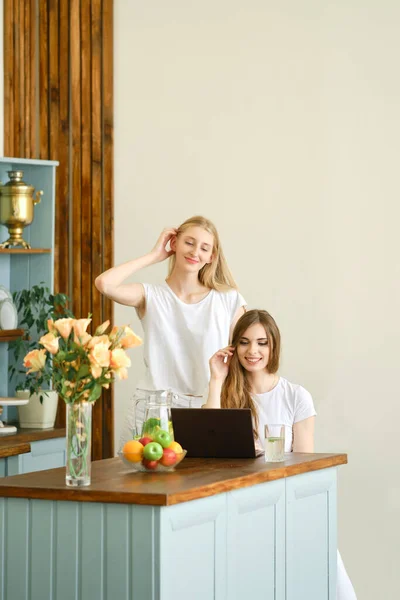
(152, 453)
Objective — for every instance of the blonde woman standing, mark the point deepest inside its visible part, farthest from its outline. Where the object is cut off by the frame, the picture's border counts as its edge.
(185, 318)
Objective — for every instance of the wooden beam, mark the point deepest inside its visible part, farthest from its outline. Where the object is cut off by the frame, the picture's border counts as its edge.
(8, 48)
(44, 114)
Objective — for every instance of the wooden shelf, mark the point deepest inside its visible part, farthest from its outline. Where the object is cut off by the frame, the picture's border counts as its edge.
(25, 251)
(19, 443)
(9, 335)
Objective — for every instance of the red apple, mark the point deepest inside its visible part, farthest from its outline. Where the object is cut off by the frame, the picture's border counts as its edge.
(150, 464)
(168, 458)
(145, 440)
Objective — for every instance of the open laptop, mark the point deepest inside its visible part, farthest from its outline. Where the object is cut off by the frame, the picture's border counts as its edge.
(215, 432)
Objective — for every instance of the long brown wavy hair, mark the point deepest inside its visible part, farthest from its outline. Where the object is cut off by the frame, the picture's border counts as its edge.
(236, 391)
(215, 275)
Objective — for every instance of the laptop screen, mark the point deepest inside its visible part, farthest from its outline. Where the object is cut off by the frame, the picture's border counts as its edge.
(214, 432)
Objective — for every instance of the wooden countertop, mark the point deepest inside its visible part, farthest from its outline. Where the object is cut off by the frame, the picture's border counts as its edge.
(114, 482)
(19, 443)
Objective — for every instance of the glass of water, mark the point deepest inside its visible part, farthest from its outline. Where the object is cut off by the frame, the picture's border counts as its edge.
(274, 443)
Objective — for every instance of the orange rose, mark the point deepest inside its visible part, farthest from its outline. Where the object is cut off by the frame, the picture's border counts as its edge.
(96, 371)
(50, 342)
(50, 326)
(100, 356)
(114, 332)
(119, 359)
(64, 327)
(121, 373)
(102, 328)
(35, 360)
(130, 339)
(80, 326)
(99, 339)
(84, 339)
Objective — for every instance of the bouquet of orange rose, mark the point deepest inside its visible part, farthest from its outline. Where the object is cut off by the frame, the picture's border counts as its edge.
(81, 365)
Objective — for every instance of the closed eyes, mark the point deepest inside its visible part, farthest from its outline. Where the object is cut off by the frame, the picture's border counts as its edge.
(260, 342)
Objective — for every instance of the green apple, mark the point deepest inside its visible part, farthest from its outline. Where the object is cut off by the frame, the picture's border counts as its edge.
(153, 451)
(163, 438)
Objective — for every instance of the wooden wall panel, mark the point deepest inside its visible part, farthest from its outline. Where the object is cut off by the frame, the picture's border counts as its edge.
(44, 114)
(63, 224)
(33, 87)
(58, 104)
(107, 127)
(76, 149)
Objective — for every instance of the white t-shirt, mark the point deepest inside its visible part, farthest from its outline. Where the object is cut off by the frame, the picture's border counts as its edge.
(287, 404)
(180, 338)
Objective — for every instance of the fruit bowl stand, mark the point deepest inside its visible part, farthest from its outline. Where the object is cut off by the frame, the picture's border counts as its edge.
(6, 401)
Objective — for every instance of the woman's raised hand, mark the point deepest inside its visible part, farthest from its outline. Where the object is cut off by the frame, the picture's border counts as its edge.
(219, 363)
(159, 251)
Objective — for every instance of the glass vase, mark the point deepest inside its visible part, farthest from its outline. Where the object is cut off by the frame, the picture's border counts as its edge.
(79, 443)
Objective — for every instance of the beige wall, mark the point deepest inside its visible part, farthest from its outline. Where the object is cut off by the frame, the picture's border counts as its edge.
(281, 122)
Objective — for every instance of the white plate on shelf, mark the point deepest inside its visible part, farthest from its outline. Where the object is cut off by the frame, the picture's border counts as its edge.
(5, 293)
(8, 314)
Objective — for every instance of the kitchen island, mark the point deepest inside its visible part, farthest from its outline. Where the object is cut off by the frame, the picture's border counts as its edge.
(214, 529)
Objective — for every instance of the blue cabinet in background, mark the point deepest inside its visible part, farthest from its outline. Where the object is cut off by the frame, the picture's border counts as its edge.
(44, 454)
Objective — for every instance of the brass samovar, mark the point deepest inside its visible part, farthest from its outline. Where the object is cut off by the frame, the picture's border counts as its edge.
(16, 208)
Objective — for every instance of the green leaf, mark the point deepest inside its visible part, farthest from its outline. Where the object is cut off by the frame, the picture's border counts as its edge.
(95, 393)
(84, 371)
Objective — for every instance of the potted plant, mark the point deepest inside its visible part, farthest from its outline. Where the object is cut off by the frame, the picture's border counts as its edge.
(35, 307)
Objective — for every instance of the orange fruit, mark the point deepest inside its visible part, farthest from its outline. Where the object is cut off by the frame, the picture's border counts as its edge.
(177, 448)
(133, 451)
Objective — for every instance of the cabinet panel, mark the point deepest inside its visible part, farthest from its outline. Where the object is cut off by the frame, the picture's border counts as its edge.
(46, 454)
(16, 583)
(311, 535)
(256, 542)
(193, 550)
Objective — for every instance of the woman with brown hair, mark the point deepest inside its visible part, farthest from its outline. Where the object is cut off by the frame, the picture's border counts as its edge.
(245, 375)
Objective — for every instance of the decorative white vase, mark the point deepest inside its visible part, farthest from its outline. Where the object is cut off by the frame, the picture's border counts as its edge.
(37, 415)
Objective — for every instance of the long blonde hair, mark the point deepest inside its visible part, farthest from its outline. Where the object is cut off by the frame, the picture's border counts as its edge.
(236, 391)
(215, 275)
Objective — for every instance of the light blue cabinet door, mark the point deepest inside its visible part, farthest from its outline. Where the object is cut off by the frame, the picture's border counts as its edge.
(44, 454)
(256, 542)
(3, 467)
(193, 550)
(311, 550)
(78, 551)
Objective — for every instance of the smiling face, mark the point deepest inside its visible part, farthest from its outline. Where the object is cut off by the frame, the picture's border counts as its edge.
(193, 248)
(253, 348)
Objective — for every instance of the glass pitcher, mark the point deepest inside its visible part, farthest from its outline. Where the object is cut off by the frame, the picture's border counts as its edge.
(157, 412)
